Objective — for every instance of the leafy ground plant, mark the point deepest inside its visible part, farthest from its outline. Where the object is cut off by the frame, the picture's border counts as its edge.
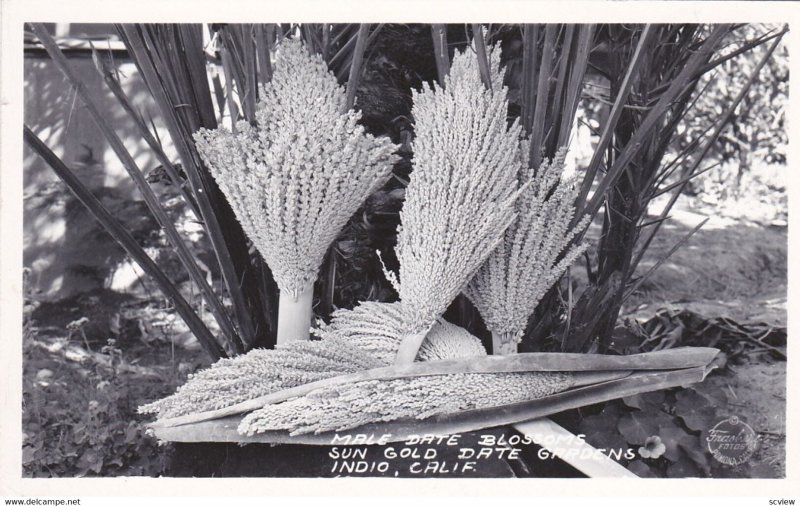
(79, 407)
(667, 430)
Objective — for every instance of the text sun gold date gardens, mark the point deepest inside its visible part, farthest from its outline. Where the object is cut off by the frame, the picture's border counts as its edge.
(423, 461)
(426, 460)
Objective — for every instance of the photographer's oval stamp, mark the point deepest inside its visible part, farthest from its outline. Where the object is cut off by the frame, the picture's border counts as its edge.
(732, 441)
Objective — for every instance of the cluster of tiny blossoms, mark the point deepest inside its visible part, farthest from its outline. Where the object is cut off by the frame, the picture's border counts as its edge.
(532, 256)
(261, 372)
(295, 177)
(378, 328)
(461, 195)
(358, 339)
(346, 406)
(375, 327)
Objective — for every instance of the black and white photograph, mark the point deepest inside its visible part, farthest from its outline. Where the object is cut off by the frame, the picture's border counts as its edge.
(436, 250)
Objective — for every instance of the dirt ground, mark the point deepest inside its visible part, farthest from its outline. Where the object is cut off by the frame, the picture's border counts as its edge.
(757, 394)
(738, 269)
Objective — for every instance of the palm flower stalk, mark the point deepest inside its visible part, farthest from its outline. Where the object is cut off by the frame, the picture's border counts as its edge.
(533, 254)
(295, 176)
(460, 199)
(349, 405)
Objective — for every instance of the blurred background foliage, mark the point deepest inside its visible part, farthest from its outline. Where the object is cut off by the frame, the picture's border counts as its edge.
(751, 151)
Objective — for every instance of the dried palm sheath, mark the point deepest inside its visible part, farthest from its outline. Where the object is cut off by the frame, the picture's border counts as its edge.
(608, 377)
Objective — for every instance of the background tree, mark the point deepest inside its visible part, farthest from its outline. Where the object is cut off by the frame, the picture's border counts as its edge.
(756, 133)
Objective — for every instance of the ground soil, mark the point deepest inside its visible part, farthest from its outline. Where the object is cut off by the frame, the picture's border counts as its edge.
(757, 394)
(735, 268)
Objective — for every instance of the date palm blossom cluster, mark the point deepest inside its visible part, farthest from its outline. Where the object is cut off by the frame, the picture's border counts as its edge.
(260, 372)
(357, 339)
(533, 254)
(350, 405)
(299, 173)
(460, 198)
(468, 169)
(462, 204)
(378, 328)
